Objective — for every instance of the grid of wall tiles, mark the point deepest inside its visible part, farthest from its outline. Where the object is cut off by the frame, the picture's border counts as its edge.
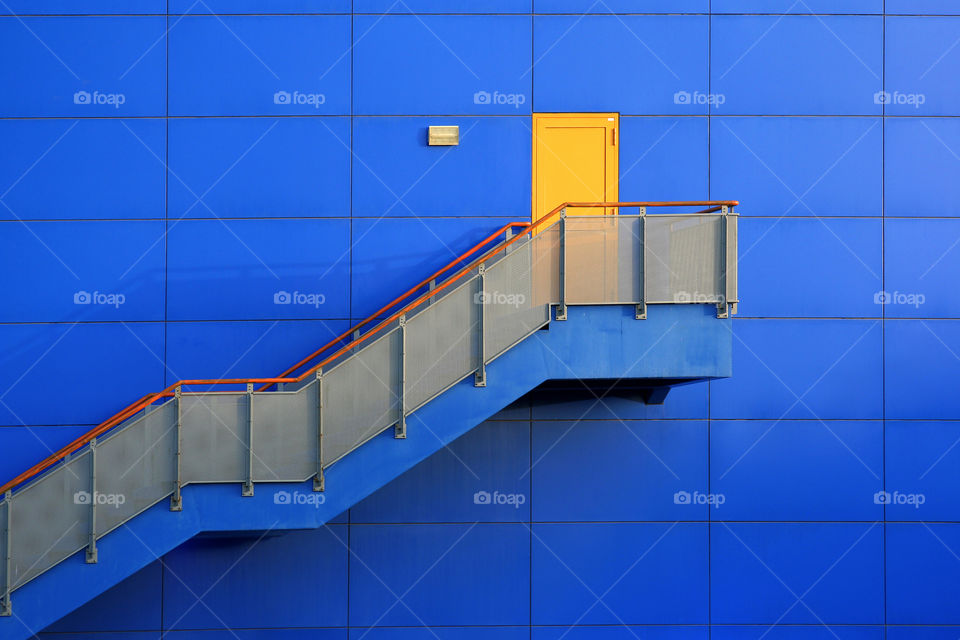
(170, 166)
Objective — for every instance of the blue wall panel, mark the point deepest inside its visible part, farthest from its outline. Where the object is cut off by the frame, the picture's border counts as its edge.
(136, 604)
(807, 573)
(921, 258)
(442, 6)
(469, 179)
(923, 574)
(779, 7)
(24, 446)
(796, 469)
(621, 6)
(806, 632)
(414, 575)
(259, 167)
(922, 459)
(68, 7)
(653, 462)
(260, 65)
(922, 387)
(81, 67)
(260, 6)
(922, 7)
(921, 165)
(755, 67)
(778, 278)
(451, 65)
(91, 168)
(799, 166)
(258, 269)
(663, 159)
(632, 64)
(778, 374)
(628, 573)
(921, 63)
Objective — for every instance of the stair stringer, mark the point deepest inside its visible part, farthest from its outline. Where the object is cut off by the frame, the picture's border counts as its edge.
(675, 342)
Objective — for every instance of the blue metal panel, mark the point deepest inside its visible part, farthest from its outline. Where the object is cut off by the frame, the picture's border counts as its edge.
(211, 567)
(592, 63)
(24, 446)
(780, 7)
(922, 7)
(260, 65)
(759, 570)
(618, 632)
(471, 474)
(663, 159)
(390, 256)
(644, 573)
(123, 282)
(799, 166)
(450, 574)
(35, 359)
(621, 6)
(260, 6)
(257, 269)
(205, 350)
(132, 605)
(839, 72)
(121, 76)
(805, 632)
(922, 387)
(480, 177)
(923, 575)
(778, 278)
(441, 633)
(442, 6)
(448, 63)
(651, 463)
(88, 168)
(68, 7)
(259, 167)
(258, 634)
(833, 366)
(921, 263)
(683, 402)
(921, 167)
(922, 633)
(921, 477)
(921, 64)
(796, 470)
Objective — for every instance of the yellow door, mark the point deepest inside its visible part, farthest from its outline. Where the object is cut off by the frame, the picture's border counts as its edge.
(575, 159)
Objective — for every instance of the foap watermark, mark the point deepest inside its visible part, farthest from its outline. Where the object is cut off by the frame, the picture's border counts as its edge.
(895, 497)
(696, 497)
(899, 297)
(99, 97)
(515, 300)
(100, 298)
(299, 298)
(497, 98)
(299, 98)
(497, 498)
(699, 98)
(99, 499)
(299, 498)
(697, 297)
(910, 99)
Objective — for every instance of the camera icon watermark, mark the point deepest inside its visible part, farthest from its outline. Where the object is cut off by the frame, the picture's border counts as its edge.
(497, 98)
(697, 498)
(299, 498)
(699, 98)
(899, 298)
(114, 500)
(896, 498)
(299, 98)
(697, 297)
(99, 298)
(898, 98)
(499, 499)
(299, 298)
(97, 97)
(515, 300)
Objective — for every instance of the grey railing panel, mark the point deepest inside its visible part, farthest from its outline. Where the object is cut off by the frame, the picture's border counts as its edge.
(441, 344)
(684, 258)
(603, 259)
(214, 438)
(285, 435)
(51, 519)
(361, 396)
(136, 467)
(513, 307)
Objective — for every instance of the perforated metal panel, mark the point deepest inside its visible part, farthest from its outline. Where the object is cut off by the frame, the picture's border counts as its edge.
(683, 258)
(52, 519)
(136, 466)
(441, 344)
(511, 308)
(285, 435)
(214, 440)
(361, 397)
(603, 259)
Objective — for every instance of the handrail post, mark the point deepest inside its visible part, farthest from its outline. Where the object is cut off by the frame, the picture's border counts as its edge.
(722, 284)
(319, 483)
(247, 489)
(562, 307)
(176, 500)
(730, 276)
(356, 336)
(400, 430)
(430, 287)
(480, 377)
(6, 609)
(640, 312)
(91, 557)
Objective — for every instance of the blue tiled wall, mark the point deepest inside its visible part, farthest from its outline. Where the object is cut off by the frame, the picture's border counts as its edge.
(194, 159)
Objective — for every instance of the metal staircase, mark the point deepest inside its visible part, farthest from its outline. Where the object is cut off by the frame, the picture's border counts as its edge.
(443, 333)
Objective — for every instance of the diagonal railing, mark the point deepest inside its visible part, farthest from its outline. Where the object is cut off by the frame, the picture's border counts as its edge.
(292, 427)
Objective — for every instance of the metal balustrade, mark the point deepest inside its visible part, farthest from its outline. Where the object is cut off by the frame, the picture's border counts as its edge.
(292, 429)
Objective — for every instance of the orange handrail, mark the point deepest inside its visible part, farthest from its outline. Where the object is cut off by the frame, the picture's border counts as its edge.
(150, 398)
